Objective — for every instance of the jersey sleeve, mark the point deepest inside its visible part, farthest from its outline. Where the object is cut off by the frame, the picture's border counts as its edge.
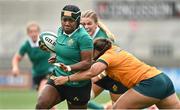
(59, 31)
(106, 59)
(23, 49)
(86, 43)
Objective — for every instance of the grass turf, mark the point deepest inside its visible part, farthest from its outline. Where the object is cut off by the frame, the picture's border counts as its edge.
(26, 99)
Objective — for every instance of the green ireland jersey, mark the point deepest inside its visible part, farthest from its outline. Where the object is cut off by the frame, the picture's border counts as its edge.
(38, 58)
(99, 33)
(68, 51)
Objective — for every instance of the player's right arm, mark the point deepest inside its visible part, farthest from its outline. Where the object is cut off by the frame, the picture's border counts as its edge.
(15, 64)
(18, 57)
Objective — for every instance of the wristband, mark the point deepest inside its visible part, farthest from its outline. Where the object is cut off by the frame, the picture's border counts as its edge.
(68, 68)
(104, 74)
(99, 76)
(69, 79)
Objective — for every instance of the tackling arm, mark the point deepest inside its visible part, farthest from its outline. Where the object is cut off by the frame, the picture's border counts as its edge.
(95, 69)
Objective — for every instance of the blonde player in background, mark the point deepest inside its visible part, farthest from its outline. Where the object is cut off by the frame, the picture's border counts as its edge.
(39, 58)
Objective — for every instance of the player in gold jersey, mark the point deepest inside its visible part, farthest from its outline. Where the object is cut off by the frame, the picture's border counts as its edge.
(147, 85)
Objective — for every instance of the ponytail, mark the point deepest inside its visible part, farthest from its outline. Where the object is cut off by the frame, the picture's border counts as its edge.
(110, 35)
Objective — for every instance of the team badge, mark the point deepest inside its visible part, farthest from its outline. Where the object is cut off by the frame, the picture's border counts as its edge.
(70, 42)
(115, 88)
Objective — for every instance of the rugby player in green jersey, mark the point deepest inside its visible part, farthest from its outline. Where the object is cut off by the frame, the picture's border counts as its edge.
(39, 58)
(74, 49)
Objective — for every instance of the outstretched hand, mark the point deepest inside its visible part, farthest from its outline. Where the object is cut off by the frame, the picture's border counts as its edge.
(15, 72)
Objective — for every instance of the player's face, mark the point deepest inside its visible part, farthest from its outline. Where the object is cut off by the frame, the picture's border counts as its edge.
(89, 25)
(33, 33)
(68, 24)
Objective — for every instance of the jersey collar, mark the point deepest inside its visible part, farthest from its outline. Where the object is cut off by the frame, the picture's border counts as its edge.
(33, 44)
(69, 35)
(95, 33)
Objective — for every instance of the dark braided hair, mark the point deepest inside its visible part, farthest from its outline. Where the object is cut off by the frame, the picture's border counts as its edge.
(101, 45)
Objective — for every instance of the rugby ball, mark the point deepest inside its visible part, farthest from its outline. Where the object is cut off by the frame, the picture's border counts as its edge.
(49, 40)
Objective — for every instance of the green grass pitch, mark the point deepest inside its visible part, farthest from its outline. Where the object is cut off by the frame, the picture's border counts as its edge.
(26, 99)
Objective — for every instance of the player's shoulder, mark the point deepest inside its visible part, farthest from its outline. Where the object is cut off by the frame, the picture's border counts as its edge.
(82, 32)
(59, 31)
(101, 33)
(25, 43)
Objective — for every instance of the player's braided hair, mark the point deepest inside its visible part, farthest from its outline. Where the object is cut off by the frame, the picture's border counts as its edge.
(101, 45)
(91, 14)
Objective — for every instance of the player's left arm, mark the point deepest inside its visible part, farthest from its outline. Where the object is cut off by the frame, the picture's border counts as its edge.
(86, 54)
(85, 63)
(95, 69)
